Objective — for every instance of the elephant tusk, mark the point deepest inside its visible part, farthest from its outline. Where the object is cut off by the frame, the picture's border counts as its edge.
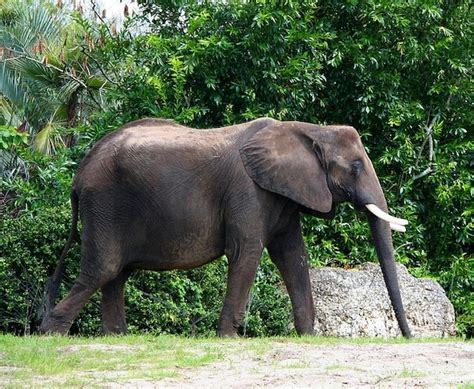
(385, 216)
(397, 227)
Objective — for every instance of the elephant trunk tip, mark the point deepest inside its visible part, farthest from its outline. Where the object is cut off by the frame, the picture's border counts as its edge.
(406, 332)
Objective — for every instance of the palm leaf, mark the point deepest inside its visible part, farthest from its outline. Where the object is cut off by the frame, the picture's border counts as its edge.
(10, 85)
(48, 138)
(8, 112)
(35, 70)
(34, 23)
(43, 22)
(35, 76)
(67, 89)
(42, 142)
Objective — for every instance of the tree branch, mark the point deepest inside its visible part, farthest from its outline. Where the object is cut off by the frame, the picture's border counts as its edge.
(96, 13)
(97, 64)
(429, 138)
(424, 173)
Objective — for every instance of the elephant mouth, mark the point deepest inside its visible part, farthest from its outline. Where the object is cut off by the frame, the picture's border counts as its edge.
(396, 223)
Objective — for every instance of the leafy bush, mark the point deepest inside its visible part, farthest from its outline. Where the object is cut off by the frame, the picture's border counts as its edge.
(30, 246)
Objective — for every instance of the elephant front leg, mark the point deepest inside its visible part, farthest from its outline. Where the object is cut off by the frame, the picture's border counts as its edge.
(243, 264)
(288, 252)
(113, 305)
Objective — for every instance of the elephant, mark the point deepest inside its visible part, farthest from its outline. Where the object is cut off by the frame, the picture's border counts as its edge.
(157, 195)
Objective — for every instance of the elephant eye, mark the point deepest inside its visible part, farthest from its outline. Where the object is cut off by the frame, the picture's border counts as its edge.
(356, 167)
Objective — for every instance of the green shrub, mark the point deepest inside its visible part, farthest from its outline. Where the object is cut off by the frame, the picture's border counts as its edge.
(30, 246)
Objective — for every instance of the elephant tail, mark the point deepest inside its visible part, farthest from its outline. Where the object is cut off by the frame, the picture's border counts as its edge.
(53, 283)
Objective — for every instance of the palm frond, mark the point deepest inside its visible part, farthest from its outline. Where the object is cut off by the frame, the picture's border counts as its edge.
(38, 22)
(35, 70)
(40, 70)
(8, 113)
(48, 138)
(36, 25)
(67, 89)
(43, 22)
(43, 105)
(10, 39)
(11, 84)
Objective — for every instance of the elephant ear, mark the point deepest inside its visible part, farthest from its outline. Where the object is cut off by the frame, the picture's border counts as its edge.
(280, 158)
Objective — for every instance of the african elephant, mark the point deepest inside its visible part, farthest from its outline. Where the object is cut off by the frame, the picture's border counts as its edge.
(156, 195)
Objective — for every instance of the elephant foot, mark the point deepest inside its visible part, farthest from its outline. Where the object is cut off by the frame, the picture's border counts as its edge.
(113, 319)
(51, 326)
(305, 332)
(228, 327)
(114, 330)
(304, 329)
(227, 334)
(304, 321)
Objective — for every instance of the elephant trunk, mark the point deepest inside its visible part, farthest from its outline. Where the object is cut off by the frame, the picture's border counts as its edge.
(370, 197)
(382, 237)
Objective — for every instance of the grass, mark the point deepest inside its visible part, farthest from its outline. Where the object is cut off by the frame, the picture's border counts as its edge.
(55, 361)
(340, 367)
(77, 361)
(411, 373)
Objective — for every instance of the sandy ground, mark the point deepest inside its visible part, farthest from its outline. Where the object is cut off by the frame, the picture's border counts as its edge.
(429, 365)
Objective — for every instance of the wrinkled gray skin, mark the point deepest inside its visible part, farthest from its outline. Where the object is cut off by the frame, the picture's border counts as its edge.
(156, 195)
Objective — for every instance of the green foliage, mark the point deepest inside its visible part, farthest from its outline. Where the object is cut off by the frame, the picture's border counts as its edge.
(30, 246)
(458, 278)
(233, 62)
(176, 302)
(10, 141)
(10, 138)
(39, 182)
(44, 73)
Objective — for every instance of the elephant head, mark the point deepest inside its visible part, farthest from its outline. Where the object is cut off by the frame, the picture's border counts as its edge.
(319, 167)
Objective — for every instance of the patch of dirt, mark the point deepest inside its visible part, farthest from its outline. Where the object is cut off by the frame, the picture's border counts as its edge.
(427, 365)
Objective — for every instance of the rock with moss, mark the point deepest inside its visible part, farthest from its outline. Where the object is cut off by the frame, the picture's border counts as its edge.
(355, 303)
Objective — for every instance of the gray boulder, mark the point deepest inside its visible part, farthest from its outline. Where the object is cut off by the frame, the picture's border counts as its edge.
(355, 303)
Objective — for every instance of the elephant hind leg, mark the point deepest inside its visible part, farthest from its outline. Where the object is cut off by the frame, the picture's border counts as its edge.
(113, 304)
(98, 267)
(62, 316)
